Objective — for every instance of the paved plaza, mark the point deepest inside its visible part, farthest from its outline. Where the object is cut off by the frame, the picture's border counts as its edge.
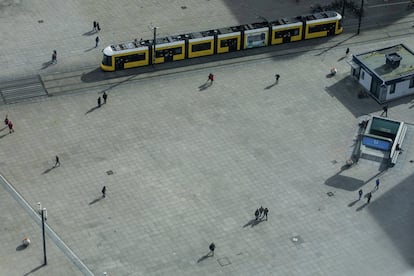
(186, 164)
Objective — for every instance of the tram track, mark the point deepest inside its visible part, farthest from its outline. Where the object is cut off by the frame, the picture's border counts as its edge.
(92, 78)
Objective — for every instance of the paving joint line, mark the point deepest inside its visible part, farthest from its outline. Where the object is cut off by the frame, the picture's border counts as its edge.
(49, 231)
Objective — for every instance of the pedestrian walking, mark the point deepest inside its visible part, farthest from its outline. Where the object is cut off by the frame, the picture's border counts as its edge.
(54, 57)
(6, 120)
(256, 214)
(99, 101)
(369, 195)
(277, 76)
(261, 211)
(212, 247)
(98, 27)
(377, 182)
(210, 78)
(10, 127)
(360, 192)
(104, 191)
(347, 51)
(104, 96)
(97, 41)
(94, 25)
(57, 161)
(385, 111)
(265, 211)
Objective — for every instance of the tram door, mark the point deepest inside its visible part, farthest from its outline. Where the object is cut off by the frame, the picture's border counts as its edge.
(168, 55)
(232, 44)
(286, 37)
(331, 29)
(119, 63)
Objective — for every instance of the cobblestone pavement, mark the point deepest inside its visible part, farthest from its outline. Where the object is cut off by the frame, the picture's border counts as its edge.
(185, 166)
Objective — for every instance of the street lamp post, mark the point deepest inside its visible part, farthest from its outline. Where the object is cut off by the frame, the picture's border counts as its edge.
(44, 214)
(360, 16)
(343, 9)
(154, 44)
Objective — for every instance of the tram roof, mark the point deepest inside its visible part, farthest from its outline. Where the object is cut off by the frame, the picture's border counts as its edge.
(375, 61)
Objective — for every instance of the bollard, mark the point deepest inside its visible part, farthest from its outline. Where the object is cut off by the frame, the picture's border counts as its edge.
(39, 206)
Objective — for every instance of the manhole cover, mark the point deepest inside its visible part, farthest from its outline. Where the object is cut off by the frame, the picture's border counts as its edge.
(296, 240)
(224, 261)
(183, 7)
(334, 161)
(330, 194)
(109, 172)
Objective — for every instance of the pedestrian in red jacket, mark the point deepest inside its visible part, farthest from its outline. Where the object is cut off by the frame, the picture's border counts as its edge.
(10, 127)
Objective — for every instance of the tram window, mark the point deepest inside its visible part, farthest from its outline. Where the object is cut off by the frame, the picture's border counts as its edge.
(168, 52)
(392, 88)
(201, 47)
(224, 43)
(107, 60)
(228, 42)
(411, 83)
(177, 51)
(321, 28)
(134, 57)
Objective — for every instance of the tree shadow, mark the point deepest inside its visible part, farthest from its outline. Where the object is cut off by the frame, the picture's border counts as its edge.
(89, 33)
(95, 200)
(46, 64)
(205, 86)
(91, 110)
(34, 270)
(48, 170)
(270, 86)
(204, 257)
(253, 222)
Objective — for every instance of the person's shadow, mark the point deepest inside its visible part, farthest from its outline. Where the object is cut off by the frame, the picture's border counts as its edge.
(48, 170)
(91, 110)
(95, 200)
(353, 203)
(270, 86)
(46, 64)
(91, 32)
(90, 49)
(205, 86)
(205, 257)
(253, 222)
(362, 207)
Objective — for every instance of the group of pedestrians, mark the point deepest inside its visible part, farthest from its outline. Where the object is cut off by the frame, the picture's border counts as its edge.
(96, 28)
(104, 97)
(261, 213)
(368, 195)
(8, 124)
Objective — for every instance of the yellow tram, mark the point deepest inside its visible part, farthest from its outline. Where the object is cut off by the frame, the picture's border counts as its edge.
(218, 41)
